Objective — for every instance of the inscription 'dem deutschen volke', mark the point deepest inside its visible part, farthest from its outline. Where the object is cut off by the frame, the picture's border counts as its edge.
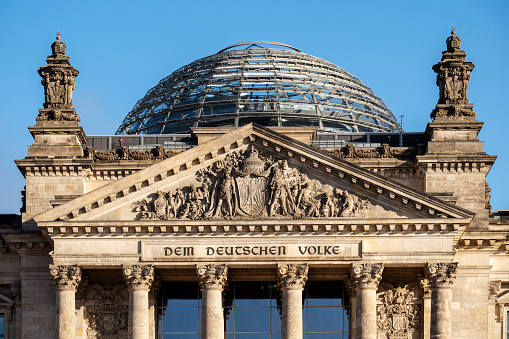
(189, 251)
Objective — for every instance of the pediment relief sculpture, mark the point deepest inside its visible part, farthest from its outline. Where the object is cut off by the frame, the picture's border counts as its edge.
(398, 314)
(249, 184)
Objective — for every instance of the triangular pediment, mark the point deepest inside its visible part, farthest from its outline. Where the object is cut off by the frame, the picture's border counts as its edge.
(254, 173)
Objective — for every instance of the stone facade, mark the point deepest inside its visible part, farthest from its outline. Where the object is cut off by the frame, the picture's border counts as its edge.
(407, 229)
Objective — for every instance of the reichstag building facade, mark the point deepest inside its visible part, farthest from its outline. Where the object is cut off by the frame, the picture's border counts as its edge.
(256, 193)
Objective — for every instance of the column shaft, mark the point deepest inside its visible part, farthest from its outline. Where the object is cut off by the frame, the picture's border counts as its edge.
(66, 279)
(353, 316)
(366, 278)
(212, 322)
(291, 323)
(441, 300)
(65, 324)
(139, 280)
(441, 276)
(366, 313)
(212, 279)
(138, 313)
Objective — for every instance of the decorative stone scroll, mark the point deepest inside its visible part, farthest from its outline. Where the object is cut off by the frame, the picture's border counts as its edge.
(247, 184)
(494, 288)
(139, 276)
(366, 275)
(441, 274)
(384, 151)
(292, 276)
(398, 315)
(124, 153)
(212, 276)
(65, 276)
(107, 318)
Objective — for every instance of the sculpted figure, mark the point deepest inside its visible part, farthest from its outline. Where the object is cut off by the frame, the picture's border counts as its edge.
(327, 205)
(347, 205)
(306, 201)
(225, 194)
(193, 205)
(160, 204)
(280, 193)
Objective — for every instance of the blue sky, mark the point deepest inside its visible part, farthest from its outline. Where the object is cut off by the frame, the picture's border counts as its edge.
(123, 48)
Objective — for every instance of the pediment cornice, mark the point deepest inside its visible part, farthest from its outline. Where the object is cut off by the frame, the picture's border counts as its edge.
(327, 166)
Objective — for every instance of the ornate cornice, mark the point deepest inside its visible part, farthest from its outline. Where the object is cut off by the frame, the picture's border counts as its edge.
(65, 276)
(441, 274)
(366, 275)
(212, 276)
(292, 276)
(139, 276)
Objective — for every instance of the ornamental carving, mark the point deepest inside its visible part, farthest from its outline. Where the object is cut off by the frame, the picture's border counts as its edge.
(212, 276)
(65, 276)
(292, 276)
(58, 78)
(247, 184)
(398, 316)
(494, 289)
(441, 274)
(124, 153)
(366, 275)
(108, 317)
(139, 276)
(57, 115)
(383, 151)
(453, 75)
(425, 284)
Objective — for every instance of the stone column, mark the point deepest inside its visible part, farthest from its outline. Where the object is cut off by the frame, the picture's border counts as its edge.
(441, 276)
(212, 279)
(352, 293)
(66, 279)
(291, 279)
(139, 279)
(366, 278)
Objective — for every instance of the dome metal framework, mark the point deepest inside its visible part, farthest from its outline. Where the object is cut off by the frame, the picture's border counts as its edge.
(269, 86)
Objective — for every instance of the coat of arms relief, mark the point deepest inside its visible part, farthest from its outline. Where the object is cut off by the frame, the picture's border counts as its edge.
(398, 311)
(250, 184)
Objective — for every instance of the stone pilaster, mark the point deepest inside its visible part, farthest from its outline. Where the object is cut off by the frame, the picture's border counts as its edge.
(366, 278)
(291, 280)
(441, 276)
(352, 293)
(425, 284)
(66, 279)
(493, 291)
(212, 279)
(139, 280)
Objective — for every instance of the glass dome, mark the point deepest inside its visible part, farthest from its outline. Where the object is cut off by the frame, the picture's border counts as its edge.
(271, 86)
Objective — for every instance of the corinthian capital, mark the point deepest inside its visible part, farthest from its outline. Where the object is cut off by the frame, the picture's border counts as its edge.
(292, 276)
(366, 275)
(441, 274)
(212, 276)
(65, 276)
(139, 276)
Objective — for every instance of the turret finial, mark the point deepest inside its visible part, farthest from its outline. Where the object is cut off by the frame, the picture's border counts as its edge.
(454, 41)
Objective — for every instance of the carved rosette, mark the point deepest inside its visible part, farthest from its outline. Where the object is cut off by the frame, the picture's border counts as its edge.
(65, 276)
(212, 276)
(139, 276)
(494, 289)
(292, 276)
(366, 275)
(441, 274)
